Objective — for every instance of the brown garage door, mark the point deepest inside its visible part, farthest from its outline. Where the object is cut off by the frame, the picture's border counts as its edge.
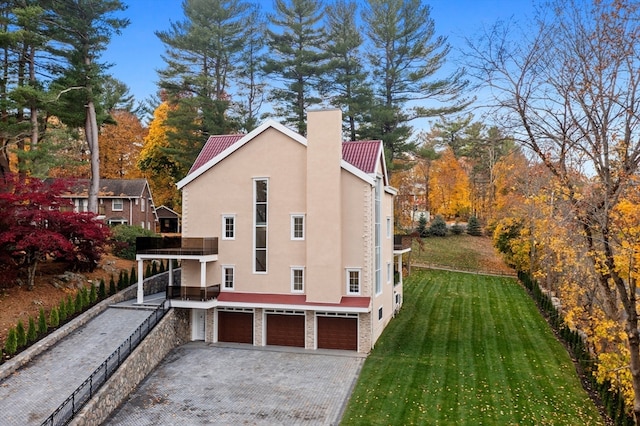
(235, 327)
(285, 330)
(338, 333)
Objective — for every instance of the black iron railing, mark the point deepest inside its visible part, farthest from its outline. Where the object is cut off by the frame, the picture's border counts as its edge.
(74, 403)
(193, 293)
(177, 246)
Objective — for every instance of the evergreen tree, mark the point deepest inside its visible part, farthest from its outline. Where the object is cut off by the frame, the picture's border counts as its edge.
(346, 79)
(422, 226)
(154, 268)
(296, 59)
(62, 311)
(82, 30)
(121, 281)
(21, 334)
(42, 323)
(473, 227)
(54, 318)
(201, 53)
(112, 286)
(11, 345)
(79, 302)
(438, 227)
(102, 291)
(93, 296)
(404, 55)
(132, 277)
(32, 331)
(71, 307)
(147, 272)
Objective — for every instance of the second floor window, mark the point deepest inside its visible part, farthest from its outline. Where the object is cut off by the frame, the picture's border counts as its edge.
(117, 204)
(228, 273)
(297, 227)
(353, 281)
(228, 227)
(297, 280)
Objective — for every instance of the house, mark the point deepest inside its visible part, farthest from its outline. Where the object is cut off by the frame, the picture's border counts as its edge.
(168, 220)
(120, 201)
(286, 240)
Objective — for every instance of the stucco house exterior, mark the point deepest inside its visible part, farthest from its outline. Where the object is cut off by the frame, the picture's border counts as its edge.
(287, 240)
(120, 201)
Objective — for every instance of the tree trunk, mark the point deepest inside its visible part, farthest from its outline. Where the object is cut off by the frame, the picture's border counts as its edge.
(31, 274)
(91, 129)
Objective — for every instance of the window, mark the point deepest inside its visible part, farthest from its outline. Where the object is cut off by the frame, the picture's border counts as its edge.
(228, 227)
(297, 279)
(389, 272)
(117, 205)
(388, 227)
(260, 197)
(353, 281)
(228, 274)
(297, 227)
(378, 236)
(141, 204)
(380, 313)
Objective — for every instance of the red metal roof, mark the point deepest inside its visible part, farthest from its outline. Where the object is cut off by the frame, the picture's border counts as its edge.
(361, 154)
(214, 146)
(291, 299)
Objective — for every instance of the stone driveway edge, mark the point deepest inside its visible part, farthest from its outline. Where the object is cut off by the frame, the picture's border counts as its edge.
(45, 343)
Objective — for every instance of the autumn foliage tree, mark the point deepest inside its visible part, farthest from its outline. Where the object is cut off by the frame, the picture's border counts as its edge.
(120, 146)
(36, 224)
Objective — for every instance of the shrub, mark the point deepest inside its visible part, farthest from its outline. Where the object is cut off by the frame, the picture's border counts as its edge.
(79, 302)
(473, 227)
(438, 227)
(102, 291)
(112, 286)
(62, 311)
(11, 345)
(124, 240)
(21, 334)
(457, 229)
(71, 307)
(125, 279)
(93, 296)
(147, 272)
(154, 268)
(42, 322)
(54, 317)
(120, 281)
(132, 276)
(422, 226)
(32, 331)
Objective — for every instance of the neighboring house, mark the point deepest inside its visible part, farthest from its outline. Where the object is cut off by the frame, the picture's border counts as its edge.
(120, 201)
(168, 220)
(287, 240)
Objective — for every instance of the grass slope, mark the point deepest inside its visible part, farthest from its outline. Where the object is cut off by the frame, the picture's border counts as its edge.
(468, 349)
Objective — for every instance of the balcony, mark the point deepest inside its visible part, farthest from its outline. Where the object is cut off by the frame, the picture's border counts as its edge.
(198, 294)
(176, 246)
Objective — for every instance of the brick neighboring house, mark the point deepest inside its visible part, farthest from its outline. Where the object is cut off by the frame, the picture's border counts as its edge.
(286, 240)
(120, 201)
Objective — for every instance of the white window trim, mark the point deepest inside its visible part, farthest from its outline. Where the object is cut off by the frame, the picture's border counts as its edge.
(293, 218)
(347, 273)
(224, 226)
(113, 205)
(142, 204)
(380, 314)
(223, 280)
(389, 272)
(293, 269)
(389, 226)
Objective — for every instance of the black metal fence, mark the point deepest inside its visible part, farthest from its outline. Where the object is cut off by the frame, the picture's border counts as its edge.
(74, 403)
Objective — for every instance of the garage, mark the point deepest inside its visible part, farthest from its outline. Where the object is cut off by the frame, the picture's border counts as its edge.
(337, 332)
(285, 329)
(235, 326)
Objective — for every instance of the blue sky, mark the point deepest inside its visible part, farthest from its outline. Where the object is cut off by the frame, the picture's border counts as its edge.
(136, 53)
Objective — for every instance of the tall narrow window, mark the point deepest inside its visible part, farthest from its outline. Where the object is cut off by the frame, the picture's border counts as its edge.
(378, 236)
(297, 280)
(388, 227)
(228, 227)
(353, 281)
(141, 204)
(228, 276)
(260, 198)
(297, 227)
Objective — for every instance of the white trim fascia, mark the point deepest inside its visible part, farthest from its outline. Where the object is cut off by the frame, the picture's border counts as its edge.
(240, 143)
(203, 259)
(357, 172)
(170, 209)
(391, 190)
(384, 161)
(322, 308)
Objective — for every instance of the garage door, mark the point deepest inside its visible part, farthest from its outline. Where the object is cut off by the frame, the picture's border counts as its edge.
(337, 333)
(235, 327)
(285, 330)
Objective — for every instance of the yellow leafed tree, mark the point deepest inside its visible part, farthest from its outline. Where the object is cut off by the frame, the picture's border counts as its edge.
(120, 146)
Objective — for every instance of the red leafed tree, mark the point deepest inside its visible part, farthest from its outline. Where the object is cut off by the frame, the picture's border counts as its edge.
(36, 224)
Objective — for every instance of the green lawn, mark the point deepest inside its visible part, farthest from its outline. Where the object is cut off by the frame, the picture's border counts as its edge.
(468, 349)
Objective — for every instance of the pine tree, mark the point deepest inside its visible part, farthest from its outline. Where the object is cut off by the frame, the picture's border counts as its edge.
(102, 291)
(93, 295)
(62, 311)
(154, 268)
(112, 286)
(71, 307)
(473, 227)
(42, 323)
(296, 59)
(32, 331)
(21, 334)
(147, 272)
(121, 281)
(79, 302)
(11, 345)
(133, 279)
(438, 227)
(422, 226)
(54, 318)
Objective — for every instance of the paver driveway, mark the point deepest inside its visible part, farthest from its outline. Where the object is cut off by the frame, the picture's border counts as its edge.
(200, 383)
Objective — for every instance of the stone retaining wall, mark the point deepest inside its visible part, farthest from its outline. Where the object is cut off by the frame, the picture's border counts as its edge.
(152, 285)
(172, 331)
